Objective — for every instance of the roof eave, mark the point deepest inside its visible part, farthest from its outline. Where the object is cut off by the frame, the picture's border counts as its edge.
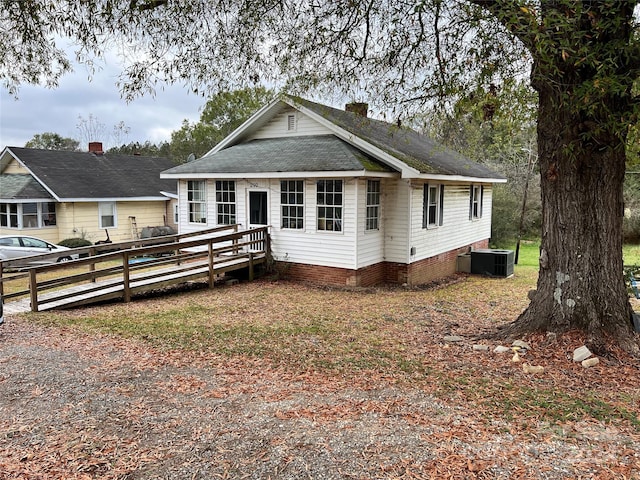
(279, 175)
(459, 178)
(114, 199)
(26, 200)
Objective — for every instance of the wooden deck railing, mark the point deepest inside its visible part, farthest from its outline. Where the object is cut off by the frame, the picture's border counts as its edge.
(119, 270)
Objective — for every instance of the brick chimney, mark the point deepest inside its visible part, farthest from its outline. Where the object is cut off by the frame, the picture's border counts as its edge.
(96, 147)
(359, 108)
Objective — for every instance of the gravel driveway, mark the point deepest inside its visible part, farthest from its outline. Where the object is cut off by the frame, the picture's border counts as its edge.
(87, 406)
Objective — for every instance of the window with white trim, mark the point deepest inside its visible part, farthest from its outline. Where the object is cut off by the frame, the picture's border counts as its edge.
(433, 205)
(9, 215)
(329, 197)
(197, 201)
(292, 203)
(226, 202)
(48, 214)
(27, 215)
(476, 194)
(107, 214)
(372, 221)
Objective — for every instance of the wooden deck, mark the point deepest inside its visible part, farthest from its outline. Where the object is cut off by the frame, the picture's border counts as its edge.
(128, 272)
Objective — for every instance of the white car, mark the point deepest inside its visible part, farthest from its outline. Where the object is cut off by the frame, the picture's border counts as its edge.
(15, 246)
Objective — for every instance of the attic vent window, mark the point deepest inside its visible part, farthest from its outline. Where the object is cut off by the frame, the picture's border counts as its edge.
(291, 123)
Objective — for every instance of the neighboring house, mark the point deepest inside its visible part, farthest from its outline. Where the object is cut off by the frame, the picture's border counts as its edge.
(55, 194)
(350, 200)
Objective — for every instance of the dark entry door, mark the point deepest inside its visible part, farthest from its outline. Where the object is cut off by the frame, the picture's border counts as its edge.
(258, 209)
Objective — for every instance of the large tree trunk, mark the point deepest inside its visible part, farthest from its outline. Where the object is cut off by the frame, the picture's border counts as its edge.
(580, 284)
(584, 68)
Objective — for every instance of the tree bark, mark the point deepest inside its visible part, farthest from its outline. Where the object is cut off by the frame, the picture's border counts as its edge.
(581, 144)
(580, 284)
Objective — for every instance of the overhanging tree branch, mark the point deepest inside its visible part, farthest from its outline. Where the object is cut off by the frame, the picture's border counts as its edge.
(520, 20)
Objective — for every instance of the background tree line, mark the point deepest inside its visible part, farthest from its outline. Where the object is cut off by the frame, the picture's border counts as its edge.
(221, 114)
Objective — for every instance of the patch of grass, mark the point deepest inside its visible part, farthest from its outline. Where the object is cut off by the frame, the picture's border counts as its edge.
(631, 254)
(553, 405)
(529, 253)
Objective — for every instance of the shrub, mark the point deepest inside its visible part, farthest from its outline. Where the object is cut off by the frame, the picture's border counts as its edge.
(75, 242)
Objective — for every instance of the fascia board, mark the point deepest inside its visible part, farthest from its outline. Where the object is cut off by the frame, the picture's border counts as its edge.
(27, 200)
(170, 195)
(114, 199)
(460, 178)
(278, 175)
(6, 152)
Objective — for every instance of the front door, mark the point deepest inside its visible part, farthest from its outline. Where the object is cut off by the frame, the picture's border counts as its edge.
(258, 209)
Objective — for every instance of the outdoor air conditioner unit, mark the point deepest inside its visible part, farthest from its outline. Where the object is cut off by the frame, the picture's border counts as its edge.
(494, 262)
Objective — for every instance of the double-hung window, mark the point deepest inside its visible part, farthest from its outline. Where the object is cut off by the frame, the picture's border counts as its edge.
(372, 221)
(226, 202)
(197, 201)
(48, 214)
(433, 205)
(292, 203)
(27, 215)
(476, 192)
(107, 214)
(329, 198)
(9, 215)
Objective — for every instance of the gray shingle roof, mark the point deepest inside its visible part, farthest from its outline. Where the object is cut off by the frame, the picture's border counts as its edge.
(414, 149)
(289, 154)
(86, 175)
(21, 186)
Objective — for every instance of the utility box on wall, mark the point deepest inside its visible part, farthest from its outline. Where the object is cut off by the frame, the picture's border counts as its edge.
(493, 262)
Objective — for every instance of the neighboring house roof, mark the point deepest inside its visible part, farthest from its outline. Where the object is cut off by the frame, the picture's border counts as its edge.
(290, 154)
(374, 144)
(77, 176)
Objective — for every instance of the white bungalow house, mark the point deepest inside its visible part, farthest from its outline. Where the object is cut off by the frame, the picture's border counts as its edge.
(55, 194)
(349, 200)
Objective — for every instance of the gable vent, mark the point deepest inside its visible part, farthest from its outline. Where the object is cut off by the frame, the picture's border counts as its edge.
(291, 123)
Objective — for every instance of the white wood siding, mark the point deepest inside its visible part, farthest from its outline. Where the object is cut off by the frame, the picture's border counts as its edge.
(457, 229)
(310, 246)
(277, 126)
(336, 249)
(397, 216)
(353, 247)
(184, 226)
(370, 243)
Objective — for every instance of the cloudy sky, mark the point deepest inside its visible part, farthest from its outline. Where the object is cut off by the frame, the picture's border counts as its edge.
(39, 110)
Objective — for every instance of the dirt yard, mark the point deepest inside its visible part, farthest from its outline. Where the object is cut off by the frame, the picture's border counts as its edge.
(76, 402)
